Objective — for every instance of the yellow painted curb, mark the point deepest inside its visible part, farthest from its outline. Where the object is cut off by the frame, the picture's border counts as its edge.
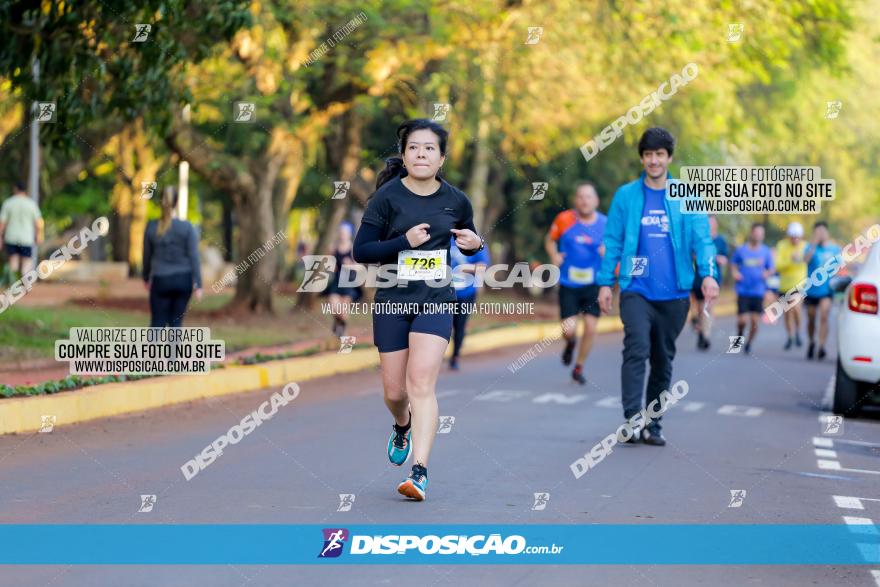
(24, 414)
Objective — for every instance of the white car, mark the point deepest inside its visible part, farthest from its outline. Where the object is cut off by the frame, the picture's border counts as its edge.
(858, 340)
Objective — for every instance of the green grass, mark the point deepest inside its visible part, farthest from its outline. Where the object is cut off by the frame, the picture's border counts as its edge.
(31, 332)
(28, 332)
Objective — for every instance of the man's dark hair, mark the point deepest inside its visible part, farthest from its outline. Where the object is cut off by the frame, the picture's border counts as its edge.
(19, 187)
(820, 223)
(584, 182)
(657, 138)
(756, 225)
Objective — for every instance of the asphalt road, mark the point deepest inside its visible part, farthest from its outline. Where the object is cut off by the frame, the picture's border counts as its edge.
(748, 423)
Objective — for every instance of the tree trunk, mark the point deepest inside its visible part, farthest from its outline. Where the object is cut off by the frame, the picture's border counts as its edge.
(120, 196)
(135, 163)
(482, 149)
(253, 292)
(227, 230)
(146, 171)
(344, 155)
(495, 200)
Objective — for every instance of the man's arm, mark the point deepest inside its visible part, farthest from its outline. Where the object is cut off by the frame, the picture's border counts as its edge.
(612, 240)
(552, 249)
(4, 220)
(703, 248)
(734, 265)
(769, 266)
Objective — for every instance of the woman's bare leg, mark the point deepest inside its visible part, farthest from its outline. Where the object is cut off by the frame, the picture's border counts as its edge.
(423, 367)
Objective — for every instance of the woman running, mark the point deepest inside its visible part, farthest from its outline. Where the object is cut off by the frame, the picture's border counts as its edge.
(407, 225)
(341, 297)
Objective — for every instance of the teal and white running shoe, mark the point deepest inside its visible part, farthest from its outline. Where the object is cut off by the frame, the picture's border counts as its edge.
(399, 444)
(416, 484)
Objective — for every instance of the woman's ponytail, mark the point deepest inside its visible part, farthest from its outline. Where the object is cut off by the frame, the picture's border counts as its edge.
(393, 168)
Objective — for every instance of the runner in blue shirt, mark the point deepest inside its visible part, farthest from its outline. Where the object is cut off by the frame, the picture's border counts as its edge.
(574, 244)
(700, 313)
(752, 264)
(820, 251)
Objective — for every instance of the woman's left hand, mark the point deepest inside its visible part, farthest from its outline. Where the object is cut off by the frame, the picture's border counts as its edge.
(198, 294)
(466, 239)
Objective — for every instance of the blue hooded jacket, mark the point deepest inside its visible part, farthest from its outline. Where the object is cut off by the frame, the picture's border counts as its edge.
(689, 232)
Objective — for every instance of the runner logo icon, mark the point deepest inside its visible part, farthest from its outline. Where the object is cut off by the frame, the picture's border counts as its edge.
(639, 265)
(334, 540)
(736, 344)
(319, 269)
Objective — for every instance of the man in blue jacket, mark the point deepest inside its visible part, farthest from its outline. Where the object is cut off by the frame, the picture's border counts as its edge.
(655, 245)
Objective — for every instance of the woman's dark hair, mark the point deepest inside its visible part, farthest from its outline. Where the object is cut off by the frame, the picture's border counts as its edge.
(394, 165)
(657, 138)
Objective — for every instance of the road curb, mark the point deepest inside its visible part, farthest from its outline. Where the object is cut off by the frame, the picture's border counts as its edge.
(20, 415)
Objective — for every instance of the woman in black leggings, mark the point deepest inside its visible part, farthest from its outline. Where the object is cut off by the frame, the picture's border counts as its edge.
(171, 265)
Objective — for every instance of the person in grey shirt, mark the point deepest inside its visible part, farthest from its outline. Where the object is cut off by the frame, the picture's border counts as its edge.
(21, 229)
(172, 272)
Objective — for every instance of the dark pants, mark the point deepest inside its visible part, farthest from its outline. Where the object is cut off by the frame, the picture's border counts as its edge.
(459, 323)
(169, 295)
(650, 329)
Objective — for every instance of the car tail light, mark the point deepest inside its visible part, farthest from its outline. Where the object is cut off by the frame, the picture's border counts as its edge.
(863, 298)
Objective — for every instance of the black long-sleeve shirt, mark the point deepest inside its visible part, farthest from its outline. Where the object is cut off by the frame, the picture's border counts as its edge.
(391, 212)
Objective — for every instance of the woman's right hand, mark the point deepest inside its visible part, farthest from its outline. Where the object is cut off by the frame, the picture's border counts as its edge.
(418, 234)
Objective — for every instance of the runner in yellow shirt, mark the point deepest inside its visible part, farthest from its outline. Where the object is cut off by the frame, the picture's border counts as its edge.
(792, 270)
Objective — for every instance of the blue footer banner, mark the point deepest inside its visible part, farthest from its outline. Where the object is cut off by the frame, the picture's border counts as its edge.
(599, 544)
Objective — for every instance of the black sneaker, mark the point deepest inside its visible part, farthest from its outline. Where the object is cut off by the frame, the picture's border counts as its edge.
(788, 344)
(811, 350)
(578, 375)
(748, 348)
(568, 353)
(797, 341)
(822, 354)
(702, 342)
(653, 437)
(453, 363)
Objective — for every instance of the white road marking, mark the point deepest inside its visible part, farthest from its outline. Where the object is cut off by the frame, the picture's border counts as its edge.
(857, 442)
(501, 395)
(559, 398)
(861, 525)
(693, 406)
(865, 471)
(823, 442)
(609, 402)
(828, 465)
(849, 503)
(876, 574)
(447, 393)
(747, 411)
(826, 453)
